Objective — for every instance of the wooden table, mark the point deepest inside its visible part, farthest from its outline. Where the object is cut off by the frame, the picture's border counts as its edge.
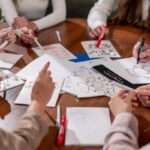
(73, 32)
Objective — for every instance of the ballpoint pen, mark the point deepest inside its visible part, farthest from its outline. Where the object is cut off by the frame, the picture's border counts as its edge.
(140, 49)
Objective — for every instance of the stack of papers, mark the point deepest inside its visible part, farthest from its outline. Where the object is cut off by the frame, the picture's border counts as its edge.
(106, 49)
(87, 126)
(56, 50)
(7, 60)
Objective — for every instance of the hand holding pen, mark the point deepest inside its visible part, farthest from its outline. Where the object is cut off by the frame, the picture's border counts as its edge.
(141, 51)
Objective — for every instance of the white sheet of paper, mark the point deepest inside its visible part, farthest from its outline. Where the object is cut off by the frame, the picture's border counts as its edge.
(106, 49)
(7, 60)
(57, 68)
(56, 50)
(87, 126)
(139, 72)
(24, 97)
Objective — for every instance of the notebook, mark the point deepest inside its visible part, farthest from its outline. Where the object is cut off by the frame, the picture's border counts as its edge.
(87, 126)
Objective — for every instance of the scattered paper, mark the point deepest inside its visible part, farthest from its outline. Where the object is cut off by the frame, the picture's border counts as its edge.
(56, 50)
(87, 126)
(16, 49)
(24, 97)
(59, 70)
(140, 73)
(85, 82)
(106, 49)
(9, 81)
(7, 60)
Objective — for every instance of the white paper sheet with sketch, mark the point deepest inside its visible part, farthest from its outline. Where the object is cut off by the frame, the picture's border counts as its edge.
(106, 49)
(87, 83)
(7, 60)
(140, 72)
(56, 50)
(87, 126)
(24, 97)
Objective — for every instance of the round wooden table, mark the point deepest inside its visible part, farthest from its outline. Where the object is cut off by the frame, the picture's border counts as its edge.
(72, 33)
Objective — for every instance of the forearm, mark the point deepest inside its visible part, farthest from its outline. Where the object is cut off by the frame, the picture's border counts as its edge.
(123, 133)
(100, 12)
(58, 15)
(27, 135)
(9, 11)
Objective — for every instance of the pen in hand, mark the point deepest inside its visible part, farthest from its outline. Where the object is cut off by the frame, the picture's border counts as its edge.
(140, 49)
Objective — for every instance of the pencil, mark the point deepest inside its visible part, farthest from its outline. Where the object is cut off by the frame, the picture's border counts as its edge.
(38, 43)
(58, 36)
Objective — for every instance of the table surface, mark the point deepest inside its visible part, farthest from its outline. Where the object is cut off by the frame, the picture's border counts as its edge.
(73, 31)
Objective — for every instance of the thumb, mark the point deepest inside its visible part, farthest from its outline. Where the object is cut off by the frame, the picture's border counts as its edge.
(130, 97)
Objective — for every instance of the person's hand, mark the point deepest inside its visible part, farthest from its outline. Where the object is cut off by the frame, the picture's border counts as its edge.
(42, 90)
(26, 35)
(99, 31)
(21, 22)
(143, 93)
(7, 34)
(145, 55)
(122, 102)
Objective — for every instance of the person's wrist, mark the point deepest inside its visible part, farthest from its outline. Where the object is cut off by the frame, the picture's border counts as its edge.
(37, 107)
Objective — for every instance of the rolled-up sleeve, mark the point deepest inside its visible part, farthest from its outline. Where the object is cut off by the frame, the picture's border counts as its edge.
(27, 135)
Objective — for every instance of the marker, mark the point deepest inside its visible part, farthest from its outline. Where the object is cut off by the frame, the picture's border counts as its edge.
(140, 49)
(100, 38)
(62, 130)
(58, 36)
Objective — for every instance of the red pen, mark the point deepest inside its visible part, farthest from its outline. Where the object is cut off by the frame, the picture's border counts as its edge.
(100, 38)
(62, 130)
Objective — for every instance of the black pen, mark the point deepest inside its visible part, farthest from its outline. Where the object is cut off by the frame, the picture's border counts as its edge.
(140, 49)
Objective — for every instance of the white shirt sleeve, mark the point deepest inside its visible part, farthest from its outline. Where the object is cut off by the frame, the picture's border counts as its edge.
(58, 15)
(9, 10)
(99, 13)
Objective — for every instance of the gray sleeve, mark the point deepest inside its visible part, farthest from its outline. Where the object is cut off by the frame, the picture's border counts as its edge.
(27, 136)
(123, 133)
